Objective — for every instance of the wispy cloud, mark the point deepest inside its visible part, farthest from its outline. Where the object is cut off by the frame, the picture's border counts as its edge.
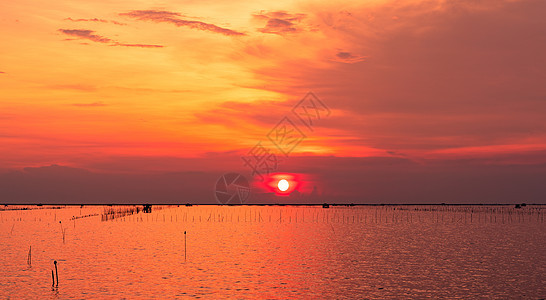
(93, 104)
(86, 34)
(280, 22)
(176, 19)
(2, 72)
(348, 57)
(90, 35)
(138, 45)
(95, 20)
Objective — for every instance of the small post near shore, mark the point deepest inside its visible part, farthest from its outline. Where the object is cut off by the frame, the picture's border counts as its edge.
(29, 257)
(56, 273)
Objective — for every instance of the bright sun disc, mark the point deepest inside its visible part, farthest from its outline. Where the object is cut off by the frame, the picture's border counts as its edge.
(283, 185)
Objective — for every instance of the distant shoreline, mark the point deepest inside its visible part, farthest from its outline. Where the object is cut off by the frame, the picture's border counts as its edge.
(269, 204)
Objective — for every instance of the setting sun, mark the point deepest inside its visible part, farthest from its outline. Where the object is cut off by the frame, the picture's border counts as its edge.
(283, 185)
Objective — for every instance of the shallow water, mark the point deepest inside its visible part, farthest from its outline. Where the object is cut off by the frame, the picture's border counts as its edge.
(274, 252)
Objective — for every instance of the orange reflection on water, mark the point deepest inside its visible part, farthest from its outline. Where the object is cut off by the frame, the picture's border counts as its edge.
(274, 252)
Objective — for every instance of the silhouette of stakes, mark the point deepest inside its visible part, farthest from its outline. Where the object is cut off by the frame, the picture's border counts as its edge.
(52, 278)
(29, 257)
(62, 230)
(184, 245)
(56, 273)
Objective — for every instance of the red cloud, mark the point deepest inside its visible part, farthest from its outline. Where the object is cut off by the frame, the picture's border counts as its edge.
(95, 20)
(90, 35)
(86, 34)
(280, 22)
(174, 18)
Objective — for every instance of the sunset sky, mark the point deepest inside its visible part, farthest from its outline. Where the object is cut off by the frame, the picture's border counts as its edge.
(430, 101)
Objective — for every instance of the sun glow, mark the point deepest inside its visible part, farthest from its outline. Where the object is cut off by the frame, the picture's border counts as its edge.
(283, 185)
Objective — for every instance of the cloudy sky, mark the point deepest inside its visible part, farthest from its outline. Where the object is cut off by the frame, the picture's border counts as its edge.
(427, 101)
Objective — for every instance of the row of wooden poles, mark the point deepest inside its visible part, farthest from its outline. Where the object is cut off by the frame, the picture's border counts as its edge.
(508, 213)
(348, 216)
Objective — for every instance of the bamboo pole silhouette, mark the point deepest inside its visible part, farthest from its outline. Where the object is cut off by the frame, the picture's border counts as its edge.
(184, 245)
(62, 230)
(52, 278)
(29, 258)
(56, 273)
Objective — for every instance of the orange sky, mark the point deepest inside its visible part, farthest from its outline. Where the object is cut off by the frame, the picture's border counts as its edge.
(83, 83)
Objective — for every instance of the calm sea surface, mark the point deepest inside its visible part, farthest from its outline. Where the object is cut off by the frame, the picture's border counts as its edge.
(272, 252)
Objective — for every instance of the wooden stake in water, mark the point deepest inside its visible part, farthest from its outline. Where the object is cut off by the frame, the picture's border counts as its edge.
(29, 258)
(52, 278)
(184, 245)
(62, 230)
(56, 273)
